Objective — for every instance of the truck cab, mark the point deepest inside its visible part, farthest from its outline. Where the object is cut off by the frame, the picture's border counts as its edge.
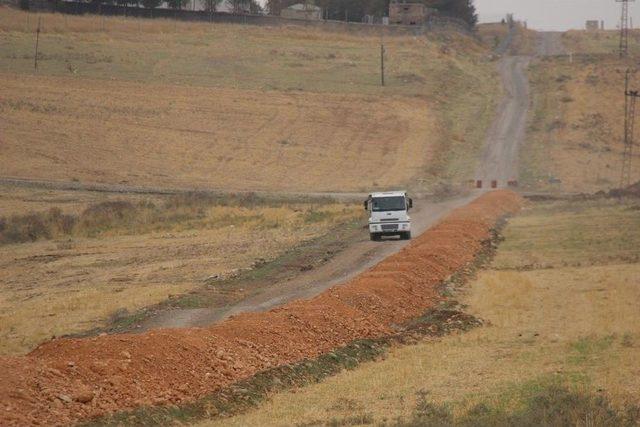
(389, 214)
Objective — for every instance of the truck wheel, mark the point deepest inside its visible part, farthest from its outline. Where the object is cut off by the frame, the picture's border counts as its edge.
(406, 235)
(375, 237)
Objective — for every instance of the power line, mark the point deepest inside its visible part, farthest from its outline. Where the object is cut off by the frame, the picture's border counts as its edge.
(630, 97)
(624, 28)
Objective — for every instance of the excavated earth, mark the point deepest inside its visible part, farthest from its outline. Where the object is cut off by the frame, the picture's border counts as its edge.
(69, 380)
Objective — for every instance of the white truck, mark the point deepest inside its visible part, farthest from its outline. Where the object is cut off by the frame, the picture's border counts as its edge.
(389, 214)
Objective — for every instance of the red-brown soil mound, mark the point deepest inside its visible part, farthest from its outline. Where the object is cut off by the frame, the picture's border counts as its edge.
(67, 380)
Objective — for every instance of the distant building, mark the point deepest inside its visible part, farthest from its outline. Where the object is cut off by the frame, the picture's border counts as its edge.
(592, 25)
(403, 12)
(302, 11)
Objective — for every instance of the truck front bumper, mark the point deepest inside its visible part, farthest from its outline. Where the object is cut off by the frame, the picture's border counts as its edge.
(389, 228)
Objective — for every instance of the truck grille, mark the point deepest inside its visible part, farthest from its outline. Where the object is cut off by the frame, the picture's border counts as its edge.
(389, 227)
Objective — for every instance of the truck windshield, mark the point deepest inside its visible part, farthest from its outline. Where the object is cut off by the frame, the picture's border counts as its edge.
(379, 204)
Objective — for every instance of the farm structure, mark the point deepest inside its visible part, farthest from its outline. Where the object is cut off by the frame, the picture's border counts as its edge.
(302, 11)
(409, 13)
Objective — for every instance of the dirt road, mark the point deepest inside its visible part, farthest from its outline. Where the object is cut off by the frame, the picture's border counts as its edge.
(500, 157)
(345, 265)
(507, 134)
(499, 162)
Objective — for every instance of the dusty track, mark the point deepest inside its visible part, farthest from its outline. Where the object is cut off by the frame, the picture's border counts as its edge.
(68, 380)
(499, 162)
(356, 258)
(500, 157)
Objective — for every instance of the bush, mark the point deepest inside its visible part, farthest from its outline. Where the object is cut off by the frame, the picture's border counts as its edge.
(552, 405)
(35, 226)
(26, 228)
(105, 215)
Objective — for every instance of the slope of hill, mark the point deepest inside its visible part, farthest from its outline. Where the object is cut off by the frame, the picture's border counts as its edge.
(236, 107)
(576, 127)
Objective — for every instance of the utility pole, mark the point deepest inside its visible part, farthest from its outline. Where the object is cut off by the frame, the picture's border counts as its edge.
(35, 56)
(624, 28)
(382, 56)
(630, 97)
(382, 64)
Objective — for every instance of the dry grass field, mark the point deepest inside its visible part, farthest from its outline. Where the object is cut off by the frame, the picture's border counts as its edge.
(113, 262)
(569, 322)
(204, 137)
(192, 105)
(238, 107)
(576, 126)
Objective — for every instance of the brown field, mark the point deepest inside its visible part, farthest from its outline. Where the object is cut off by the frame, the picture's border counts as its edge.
(233, 107)
(576, 127)
(203, 137)
(572, 322)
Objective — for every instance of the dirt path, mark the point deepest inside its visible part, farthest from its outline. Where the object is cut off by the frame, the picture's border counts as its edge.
(499, 162)
(507, 134)
(345, 265)
(500, 157)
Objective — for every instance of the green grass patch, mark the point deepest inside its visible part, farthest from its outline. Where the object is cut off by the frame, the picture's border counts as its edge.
(572, 233)
(542, 402)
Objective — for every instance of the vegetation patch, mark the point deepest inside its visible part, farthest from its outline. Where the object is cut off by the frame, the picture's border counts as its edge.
(533, 404)
(186, 211)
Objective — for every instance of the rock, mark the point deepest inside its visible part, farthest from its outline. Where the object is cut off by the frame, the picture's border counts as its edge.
(83, 396)
(65, 398)
(71, 364)
(126, 354)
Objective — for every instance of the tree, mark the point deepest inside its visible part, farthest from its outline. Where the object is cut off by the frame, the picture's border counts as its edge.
(177, 4)
(151, 4)
(461, 9)
(255, 8)
(210, 5)
(239, 6)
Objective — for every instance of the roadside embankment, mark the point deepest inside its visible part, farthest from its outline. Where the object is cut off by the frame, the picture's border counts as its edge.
(68, 380)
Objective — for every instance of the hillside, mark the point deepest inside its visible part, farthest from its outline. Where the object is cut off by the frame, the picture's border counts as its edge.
(576, 125)
(237, 107)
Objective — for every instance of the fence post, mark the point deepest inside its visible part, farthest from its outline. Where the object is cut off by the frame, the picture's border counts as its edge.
(35, 58)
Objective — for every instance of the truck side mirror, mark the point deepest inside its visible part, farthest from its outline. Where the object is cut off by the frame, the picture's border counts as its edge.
(366, 205)
(410, 203)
